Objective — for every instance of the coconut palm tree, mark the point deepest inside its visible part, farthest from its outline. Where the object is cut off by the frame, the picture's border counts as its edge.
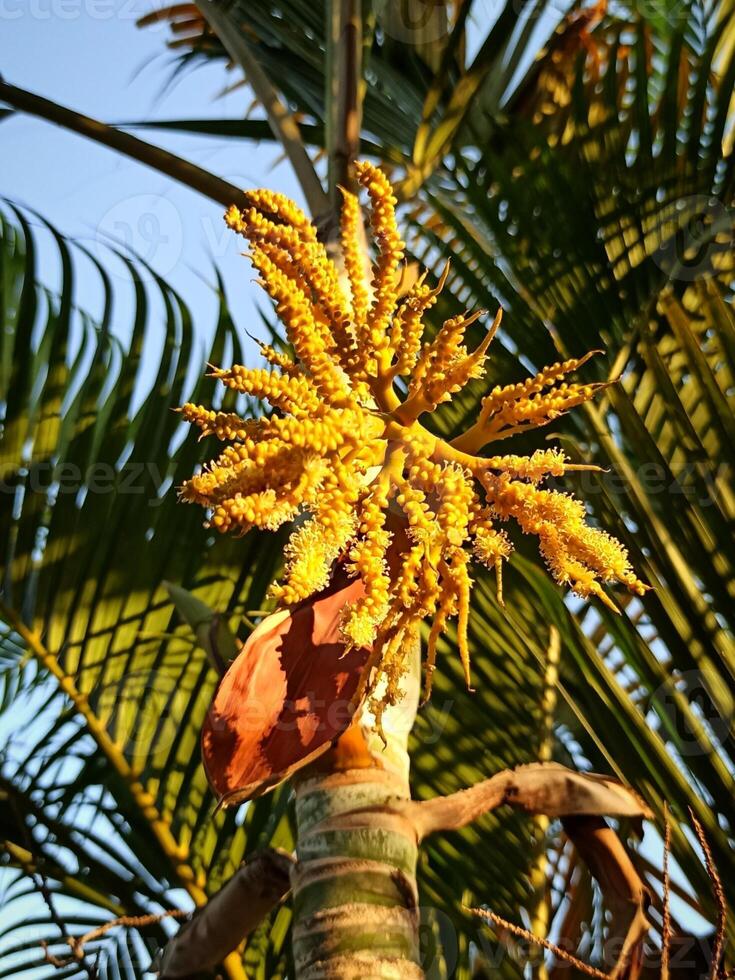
(587, 191)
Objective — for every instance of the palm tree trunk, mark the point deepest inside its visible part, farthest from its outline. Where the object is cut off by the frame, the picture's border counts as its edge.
(355, 901)
(354, 886)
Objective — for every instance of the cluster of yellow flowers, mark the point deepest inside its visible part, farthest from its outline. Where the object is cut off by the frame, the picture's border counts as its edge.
(405, 510)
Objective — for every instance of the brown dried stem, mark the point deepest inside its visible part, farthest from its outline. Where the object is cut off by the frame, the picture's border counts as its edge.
(526, 934)
(666, 919)
(128, 921)
(719, 895)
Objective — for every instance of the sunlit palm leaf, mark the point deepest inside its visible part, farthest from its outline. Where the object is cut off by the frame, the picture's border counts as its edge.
(578, 236)
(91, 454)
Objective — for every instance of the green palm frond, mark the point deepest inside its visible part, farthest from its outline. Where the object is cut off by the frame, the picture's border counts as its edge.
(91, 455)
(421, 81)
(583, 229)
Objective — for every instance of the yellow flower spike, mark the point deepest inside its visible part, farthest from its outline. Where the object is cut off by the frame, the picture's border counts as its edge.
(290, 394)
(310, 555)
(443, 351)
(490, 547)
(246, 496)
(456, 576)
(278, 206)
(322, 433)
(224, 425)
(464, 369)
(444, 367)
(367, 559)
(234, 219)
(545, 378)
(542, 463)
(316, 545)
(464, 584)
(412, 500)
(307, 262)
(278, 359)
(542, 512)
(391, 251)
(527, 405)
(270, 260)
(408, 583)
(311, 344)
(604, 556)
(351, 238)
(219, 482)
(567, 570)
(342, 448)
(408, 326)
(455, 495)
(437, 628)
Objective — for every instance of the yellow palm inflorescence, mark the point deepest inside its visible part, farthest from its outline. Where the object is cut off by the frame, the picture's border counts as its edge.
(343, 448)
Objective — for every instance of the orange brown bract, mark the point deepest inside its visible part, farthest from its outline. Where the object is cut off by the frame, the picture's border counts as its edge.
(343, 448)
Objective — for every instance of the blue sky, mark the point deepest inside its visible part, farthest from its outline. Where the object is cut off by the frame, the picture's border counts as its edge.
(90, 56)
